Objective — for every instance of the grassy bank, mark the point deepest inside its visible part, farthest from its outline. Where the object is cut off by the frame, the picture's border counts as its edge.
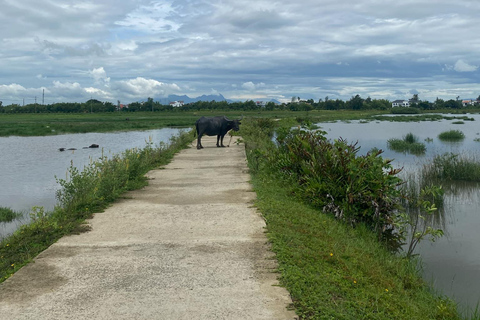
(82, 195)
(332, 271)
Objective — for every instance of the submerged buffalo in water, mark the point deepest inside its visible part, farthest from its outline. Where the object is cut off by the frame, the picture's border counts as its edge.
(216, 126)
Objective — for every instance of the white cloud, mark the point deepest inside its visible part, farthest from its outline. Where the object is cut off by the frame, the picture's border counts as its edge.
(250, 86)
(141, 88)
(462, 66)
(100, 76)
(121, 50)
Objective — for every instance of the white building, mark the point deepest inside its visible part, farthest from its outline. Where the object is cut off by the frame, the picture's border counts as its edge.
(401, 103)
(177, 104)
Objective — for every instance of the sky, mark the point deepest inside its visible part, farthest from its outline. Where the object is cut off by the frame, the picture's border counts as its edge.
(111, 50)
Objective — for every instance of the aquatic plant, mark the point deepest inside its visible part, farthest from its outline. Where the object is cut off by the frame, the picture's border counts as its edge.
(409, 144)
(450, 166)
(7, 214)
(414, 225)
(452, 135)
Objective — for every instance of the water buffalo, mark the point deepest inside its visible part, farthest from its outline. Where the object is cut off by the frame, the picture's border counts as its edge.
(216, 126)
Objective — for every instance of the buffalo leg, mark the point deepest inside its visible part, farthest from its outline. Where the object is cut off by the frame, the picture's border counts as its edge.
(199, 142)
(220, 141)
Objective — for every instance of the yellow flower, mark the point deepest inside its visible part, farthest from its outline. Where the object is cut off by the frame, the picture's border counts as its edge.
(8, 244)
(13, 265)
(331, 254)
(354, 281)
(386, 290)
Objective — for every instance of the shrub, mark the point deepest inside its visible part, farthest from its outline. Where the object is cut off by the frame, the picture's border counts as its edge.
(331, 176)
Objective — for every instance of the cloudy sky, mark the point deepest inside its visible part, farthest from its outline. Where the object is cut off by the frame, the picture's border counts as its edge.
(134, 49)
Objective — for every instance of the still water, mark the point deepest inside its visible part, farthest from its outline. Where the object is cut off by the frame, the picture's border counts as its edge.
(29, 165)
(452, 263)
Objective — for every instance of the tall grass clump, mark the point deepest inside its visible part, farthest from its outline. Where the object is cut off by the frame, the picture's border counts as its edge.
(452, 135)
(7, 214)
(331, 270)
(454, 167)
(82, 194)
(409, 144)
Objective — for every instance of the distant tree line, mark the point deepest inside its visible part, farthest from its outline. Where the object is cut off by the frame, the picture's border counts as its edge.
(355, 103)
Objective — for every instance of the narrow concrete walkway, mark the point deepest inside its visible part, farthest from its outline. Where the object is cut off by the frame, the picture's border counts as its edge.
(188, 246)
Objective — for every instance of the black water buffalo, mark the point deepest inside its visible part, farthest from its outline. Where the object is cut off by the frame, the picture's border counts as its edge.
(216, 126)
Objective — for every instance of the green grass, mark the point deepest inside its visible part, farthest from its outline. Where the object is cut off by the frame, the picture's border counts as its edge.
(335, 272)
(451, 135)
(83, 194)
(409, 144)
(7, 214)
(331, 270)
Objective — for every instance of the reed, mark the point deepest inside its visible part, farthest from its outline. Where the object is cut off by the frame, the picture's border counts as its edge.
(455, 167)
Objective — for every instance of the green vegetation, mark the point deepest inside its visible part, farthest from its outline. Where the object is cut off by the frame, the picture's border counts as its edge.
(7, 214)
(61, 123)
(452, 135)
(83, 194)
(334, 271)
(416, 223)
(418, 118)
(406, 110)
(408, 144)
(450, 166)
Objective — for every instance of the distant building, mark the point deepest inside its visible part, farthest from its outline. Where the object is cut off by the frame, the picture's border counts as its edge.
(469, 102)
(401, 103)
(177, 104)
(260, 103)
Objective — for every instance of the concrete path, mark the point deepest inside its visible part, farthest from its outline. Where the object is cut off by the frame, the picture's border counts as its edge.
(188, 246)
